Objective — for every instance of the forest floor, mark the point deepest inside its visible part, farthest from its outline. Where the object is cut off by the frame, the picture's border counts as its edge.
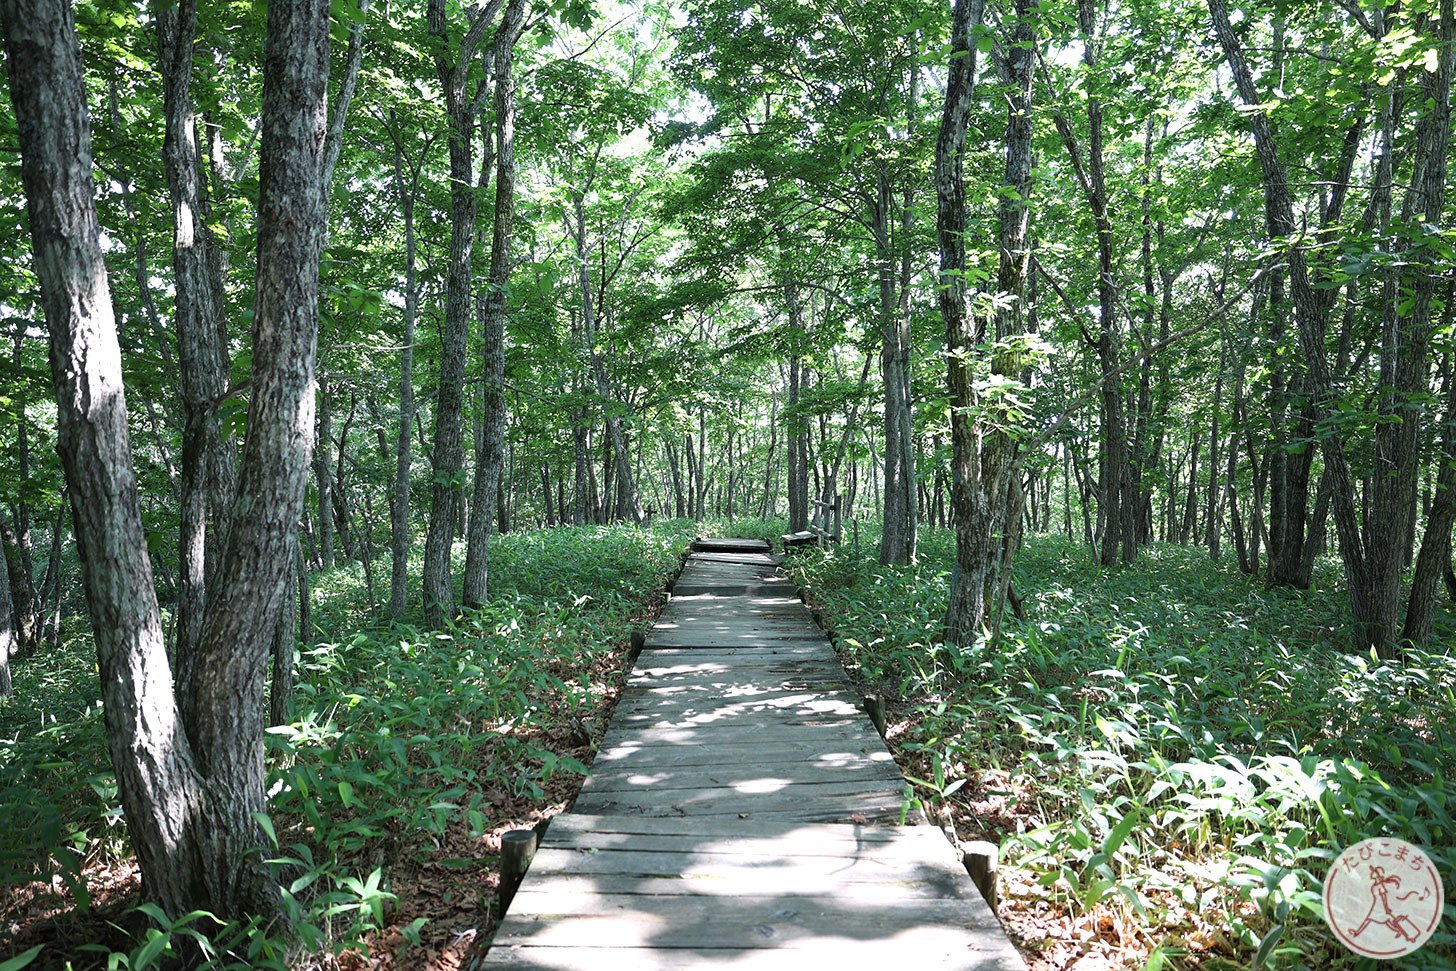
(1168, 755)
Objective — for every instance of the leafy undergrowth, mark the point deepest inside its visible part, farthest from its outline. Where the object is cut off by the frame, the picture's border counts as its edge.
(1169, 755)
(410, 753)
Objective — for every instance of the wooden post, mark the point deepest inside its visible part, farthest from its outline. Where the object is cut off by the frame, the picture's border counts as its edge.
(874, 706)
(639, 641)
(517, 848)
(980, 859)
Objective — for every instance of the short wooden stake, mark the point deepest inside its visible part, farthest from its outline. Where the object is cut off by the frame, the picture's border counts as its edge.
(517, 848)
(639, 641)
(874, 706)
(981, 858)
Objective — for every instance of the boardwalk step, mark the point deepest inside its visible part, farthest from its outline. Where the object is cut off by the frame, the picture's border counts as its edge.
(703, 545)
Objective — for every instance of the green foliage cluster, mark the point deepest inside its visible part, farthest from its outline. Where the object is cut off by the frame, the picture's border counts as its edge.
(1174, 741)
(400, 738)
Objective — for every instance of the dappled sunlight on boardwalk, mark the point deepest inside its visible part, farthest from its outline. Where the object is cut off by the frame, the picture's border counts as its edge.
(742, 812)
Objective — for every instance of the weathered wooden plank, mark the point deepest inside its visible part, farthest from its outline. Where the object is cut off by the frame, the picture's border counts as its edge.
(564, 825)
(679, 640)
(727, 929)
(768, 722)
(779, 871)
(811, 752)
(768, 906)
(753, 671)
(729, 695)
(849, 733)
(810, 802)
(750, 852)
(740, 884)
(655, 776)
(893, 952)
(791, 709)
(713, 544)
(797, 623)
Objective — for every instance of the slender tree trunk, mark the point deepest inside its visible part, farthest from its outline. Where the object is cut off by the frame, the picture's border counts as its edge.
(323, 475)
(491, 309)
(7, 636)
(897, 543)
(448, 455)
(21, 580)
(702, 487)
(1435, 551)
(797, 439)
(1212, 527)
(207, 463)
(406, 190)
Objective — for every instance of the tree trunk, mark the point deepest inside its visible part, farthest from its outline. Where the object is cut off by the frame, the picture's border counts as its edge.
(190, 781)
(323, 475)
(1212, 525)
(7, 636)
(207, 462)
(1435, 551)
(406, 190)
(798, 446)
(285, 639)
(21, 579)
(491, 310)
(897, 542)
(448, 454)
(984, 460)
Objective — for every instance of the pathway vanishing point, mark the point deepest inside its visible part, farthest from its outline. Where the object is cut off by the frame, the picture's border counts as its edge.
(742, 812)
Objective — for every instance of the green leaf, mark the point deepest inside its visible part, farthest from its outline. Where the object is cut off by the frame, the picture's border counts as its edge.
(1267, 945)
(267, 825)
(147, 954)
(22, 960)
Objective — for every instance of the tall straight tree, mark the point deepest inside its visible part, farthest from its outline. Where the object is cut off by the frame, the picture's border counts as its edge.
(406, 185)
(452, 64)
(982, 500)
(189, 766)
(491, 310)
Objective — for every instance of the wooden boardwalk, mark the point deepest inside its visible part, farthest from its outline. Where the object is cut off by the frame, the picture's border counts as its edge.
(742, 812)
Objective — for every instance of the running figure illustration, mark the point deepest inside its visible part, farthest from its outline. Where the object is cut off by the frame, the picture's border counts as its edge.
(1380, 913)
